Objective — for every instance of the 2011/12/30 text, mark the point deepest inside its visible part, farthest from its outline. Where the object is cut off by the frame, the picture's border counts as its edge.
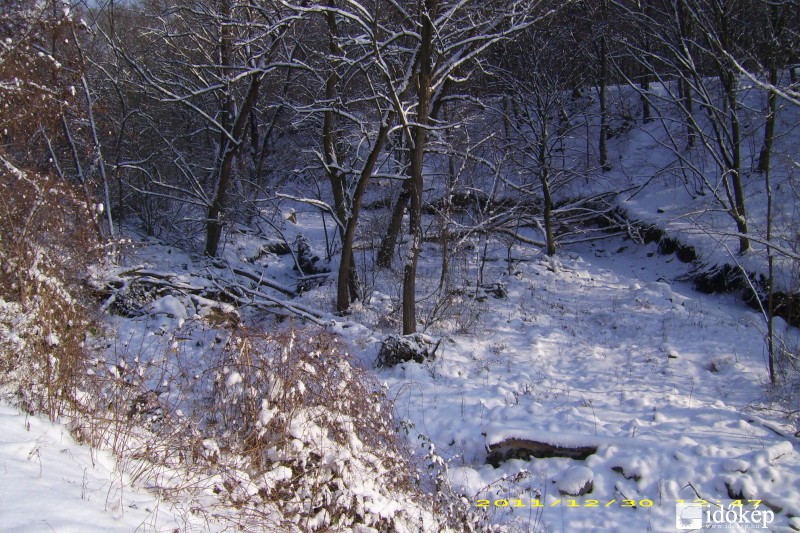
(520, 503)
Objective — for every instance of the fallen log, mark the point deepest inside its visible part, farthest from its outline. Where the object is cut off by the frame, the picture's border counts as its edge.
(526, 448)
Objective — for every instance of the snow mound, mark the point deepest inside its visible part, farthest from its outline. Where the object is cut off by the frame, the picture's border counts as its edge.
(576, 481)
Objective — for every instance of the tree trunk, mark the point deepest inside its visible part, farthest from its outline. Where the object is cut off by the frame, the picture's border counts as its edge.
(335, 177)
(773, 367)
(603, 89)
(544, 177)
(688, 103)
(543, 163)
(226, 151)
(346, 265)
(769, 125)
(684, 87)
(728, 80)
(447, 208)
(389, 241)
(214, 224)
(603, 149)
(646, 71)
(424, 80)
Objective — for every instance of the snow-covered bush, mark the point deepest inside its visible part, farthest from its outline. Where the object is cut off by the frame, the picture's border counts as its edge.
(278, 432)
(398, 349)
(46, 245)
(319, 433)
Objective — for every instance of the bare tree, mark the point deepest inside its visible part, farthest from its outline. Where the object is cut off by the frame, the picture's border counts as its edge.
(540, 121)
(706, 75)
(452, 38)
(603, 80)
(209, 60)
(390, 67)
(356, 106)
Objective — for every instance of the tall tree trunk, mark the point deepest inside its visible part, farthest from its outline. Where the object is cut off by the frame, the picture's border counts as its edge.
(773, 367)
(447, 208)
(603, 89)
(684, 87)
(603, 148)
(389, 241)
(769, 125)
(224, 164)
(424, 82)
(647, 78)
(735, 176)
(335, 176)
(688, 104)
(728, 80)
(645, 69)
(544, 178)
(214, 223)
(771, 62)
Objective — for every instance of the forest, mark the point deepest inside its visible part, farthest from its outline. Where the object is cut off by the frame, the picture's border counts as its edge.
(347, 265)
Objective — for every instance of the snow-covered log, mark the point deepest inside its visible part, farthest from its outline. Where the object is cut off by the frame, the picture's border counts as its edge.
(527, 448)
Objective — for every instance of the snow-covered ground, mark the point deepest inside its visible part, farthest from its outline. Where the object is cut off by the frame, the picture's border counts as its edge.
(604, 348)
(601, 347)
(50, 483)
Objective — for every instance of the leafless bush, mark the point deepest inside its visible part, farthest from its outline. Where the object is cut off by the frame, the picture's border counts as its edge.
(46, 246)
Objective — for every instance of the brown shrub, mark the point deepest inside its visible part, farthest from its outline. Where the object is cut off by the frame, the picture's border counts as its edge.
(37, 70)
(46, 247)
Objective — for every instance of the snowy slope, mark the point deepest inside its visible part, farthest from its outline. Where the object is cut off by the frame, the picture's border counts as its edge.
(669, 193)
(50, 483)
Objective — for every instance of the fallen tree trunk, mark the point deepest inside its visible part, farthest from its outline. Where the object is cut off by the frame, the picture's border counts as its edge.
(526, 448)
